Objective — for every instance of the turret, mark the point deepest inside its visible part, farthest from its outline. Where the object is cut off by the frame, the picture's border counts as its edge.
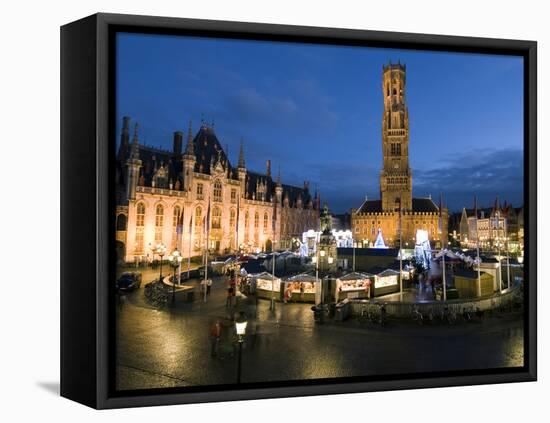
(279, 188)
(189, 161)
(124, 138)
(178, 143)
(241, 169)
(133, 165)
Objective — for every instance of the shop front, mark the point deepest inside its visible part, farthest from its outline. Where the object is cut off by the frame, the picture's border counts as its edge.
(267, 286)
(302, 288)
(354, 285)
(385, 282)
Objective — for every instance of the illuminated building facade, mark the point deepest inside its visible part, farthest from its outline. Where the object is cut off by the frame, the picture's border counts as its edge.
(248, 210)
(396, 205)
(499, 227)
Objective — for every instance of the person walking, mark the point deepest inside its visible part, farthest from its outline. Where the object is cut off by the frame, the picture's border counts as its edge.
(208, 286)
(287, 294)
(215, 334)
(229, 300)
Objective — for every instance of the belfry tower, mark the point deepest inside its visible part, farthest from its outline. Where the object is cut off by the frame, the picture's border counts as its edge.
(396, 175)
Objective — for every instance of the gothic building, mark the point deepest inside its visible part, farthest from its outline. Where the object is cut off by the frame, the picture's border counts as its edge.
(396, 205)
(167, 196)
(499, 227)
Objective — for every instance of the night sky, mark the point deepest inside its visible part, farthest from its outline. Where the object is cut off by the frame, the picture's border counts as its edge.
(316, 111)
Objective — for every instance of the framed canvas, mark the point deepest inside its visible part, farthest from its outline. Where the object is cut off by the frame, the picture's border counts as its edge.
(257, 211)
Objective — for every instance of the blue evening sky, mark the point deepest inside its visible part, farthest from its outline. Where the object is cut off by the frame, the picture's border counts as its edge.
(316, 111)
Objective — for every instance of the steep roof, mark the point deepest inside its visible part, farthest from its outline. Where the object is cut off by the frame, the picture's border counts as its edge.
(419, 205)
(208, 151)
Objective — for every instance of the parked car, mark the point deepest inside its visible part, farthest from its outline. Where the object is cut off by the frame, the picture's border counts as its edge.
(129, 281)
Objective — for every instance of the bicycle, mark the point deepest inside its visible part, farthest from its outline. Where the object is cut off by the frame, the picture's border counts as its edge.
(417, 315)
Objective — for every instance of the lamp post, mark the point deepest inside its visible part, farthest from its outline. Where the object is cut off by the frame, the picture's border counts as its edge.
(499, 265)
(272, 304)
(160, 249)
(175, 259)
(240, 328)
(507, 260)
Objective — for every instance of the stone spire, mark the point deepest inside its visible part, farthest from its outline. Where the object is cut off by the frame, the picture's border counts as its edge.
(133, 167)
(134, 151)
(241, 156)
(279, 177)
(190, 149)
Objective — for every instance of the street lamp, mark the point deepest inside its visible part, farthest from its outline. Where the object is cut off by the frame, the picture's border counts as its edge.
(160, 249)
(175, 259)
(240, 328)
(272, 303)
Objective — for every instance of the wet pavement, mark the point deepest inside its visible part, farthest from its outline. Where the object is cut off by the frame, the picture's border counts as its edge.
(172, 347)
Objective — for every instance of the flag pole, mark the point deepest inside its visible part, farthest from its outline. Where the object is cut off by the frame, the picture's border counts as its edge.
(190, 242)
(207, 228)
(400, 245)
(477, 248)
(179, 242)
(442, 246)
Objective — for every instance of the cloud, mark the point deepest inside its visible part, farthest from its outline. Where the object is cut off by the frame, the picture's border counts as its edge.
(485, 173)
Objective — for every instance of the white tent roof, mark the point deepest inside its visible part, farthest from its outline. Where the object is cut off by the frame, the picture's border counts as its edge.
(353, 276)
(265, 276)
(303, 277)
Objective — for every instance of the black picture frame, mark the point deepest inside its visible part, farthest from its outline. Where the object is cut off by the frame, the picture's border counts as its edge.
(87, 250)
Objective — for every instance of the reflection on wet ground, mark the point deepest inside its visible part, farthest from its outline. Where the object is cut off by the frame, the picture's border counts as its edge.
(172, 347)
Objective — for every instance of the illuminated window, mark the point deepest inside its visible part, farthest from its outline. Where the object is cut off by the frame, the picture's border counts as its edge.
(200, 195)
(233, 195)
(246, 220)
(266, 218)
(176, 215)
(159, 222)
(198, 217)
(256, 220)
(140, 217)
(216, 218)
(140, 221)
(217, 191)
(232, 218)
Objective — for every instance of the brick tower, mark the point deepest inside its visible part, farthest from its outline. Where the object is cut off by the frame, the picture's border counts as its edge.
(396, 175)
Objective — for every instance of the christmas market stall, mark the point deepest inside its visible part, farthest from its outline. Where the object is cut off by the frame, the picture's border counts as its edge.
(354, 285)
(386, 281)
(301, 288)
(267, 286)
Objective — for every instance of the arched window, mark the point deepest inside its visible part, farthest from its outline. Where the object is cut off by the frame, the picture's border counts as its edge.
(140, 221)
(256, 220)
(217, 191)
(198, 216)
(232, 218)
(140, 216)
(159, 222)
(159, 215)
(266, 219)
(394, 91)
(121, 222)
(176, 215)
(216, 218)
